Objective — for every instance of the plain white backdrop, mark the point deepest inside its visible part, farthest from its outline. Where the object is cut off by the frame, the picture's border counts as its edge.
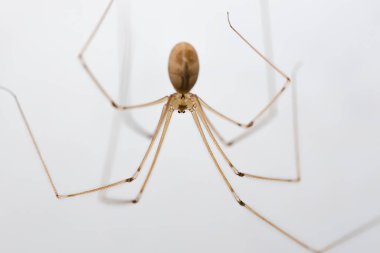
(187, 207)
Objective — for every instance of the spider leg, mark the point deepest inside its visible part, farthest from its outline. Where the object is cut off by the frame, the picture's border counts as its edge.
(94, 78)
(217, 133)
(297, 179)
(27, 125)
(237, 198)
(334, 244)
(266, 107)
(137, 173)
(261, 123)
(45, 167)
(258, 115)
(166, 126)
(256, 50)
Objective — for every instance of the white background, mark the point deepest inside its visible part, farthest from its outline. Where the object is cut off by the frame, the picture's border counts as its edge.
(187, 207)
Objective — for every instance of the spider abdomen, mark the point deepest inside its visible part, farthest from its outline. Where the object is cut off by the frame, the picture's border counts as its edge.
(183, 67)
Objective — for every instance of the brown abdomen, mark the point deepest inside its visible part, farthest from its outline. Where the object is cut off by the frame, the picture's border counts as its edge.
(183, 67)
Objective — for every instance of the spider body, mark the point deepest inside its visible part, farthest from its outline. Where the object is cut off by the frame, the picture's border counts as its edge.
(183, 70)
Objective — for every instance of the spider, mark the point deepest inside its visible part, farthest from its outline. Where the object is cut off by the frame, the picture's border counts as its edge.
(183, 71)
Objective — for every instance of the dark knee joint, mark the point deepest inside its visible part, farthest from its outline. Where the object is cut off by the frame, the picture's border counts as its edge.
(114, 105)
(129, 180)
(240, 174)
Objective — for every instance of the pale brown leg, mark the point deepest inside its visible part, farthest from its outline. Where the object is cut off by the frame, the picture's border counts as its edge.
(257, 51)
(45, 167)
(136, 174)
(217, 133)
(92, 75)
(345, 238)
(258, 115)
(29, 129)
(237, 198)
(257, 126)
(167, 122)
(265, 108)
(241, 174)
(270, 103)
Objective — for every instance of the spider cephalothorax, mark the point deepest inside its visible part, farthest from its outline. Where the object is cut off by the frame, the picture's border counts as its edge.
(182, 102)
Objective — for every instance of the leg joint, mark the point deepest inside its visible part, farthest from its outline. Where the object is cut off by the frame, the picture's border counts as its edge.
(240, 174)
(129, 180)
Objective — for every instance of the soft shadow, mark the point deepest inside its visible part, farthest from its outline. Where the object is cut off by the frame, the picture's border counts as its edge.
(125, 71)
(124, 119)
(353, 234)
(268, 52)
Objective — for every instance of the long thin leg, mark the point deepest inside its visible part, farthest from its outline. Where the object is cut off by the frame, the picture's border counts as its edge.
(294, 113)
(29, 129)
(217, 133)
(257, 51)
(270, 103)
(138, 197)
(137, 173)
(247, 133)
(334, 244)
(258, 115)
(257, 126)
(237, 198)
(236, 171)
(45, 167)
(92, 75)
(167, 122)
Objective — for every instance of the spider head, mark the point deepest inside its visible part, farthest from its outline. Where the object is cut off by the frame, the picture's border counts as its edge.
(183, 67)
